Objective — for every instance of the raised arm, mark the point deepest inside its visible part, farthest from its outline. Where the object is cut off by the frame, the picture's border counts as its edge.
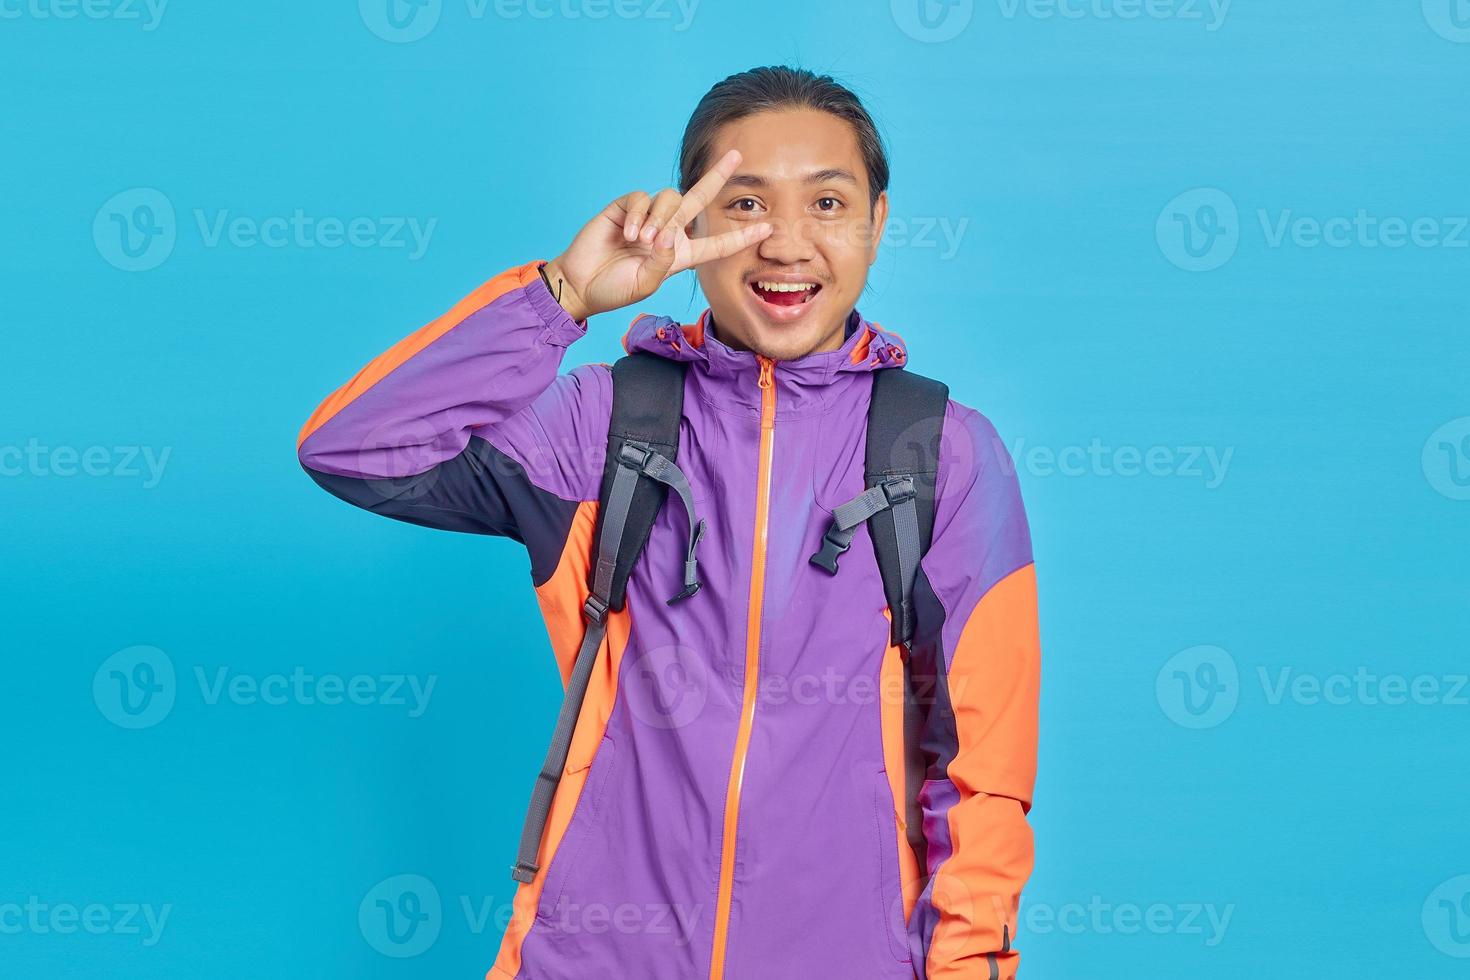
(466, 424)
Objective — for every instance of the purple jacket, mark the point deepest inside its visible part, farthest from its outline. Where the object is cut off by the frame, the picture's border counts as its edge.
(732, 805)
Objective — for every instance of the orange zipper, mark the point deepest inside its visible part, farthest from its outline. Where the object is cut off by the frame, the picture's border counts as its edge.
(767, 384)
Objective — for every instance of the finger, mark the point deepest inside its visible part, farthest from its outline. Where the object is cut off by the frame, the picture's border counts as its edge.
(635, 207)
(719, 246)
(704, 190)
(663, 209)
(660, 263)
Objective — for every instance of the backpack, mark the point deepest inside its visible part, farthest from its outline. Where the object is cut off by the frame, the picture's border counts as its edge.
(905, 419)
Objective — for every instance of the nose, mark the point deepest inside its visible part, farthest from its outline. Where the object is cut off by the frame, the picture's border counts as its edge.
(791, 239)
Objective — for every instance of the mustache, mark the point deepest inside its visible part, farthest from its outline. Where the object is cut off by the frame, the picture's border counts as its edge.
(809, 273)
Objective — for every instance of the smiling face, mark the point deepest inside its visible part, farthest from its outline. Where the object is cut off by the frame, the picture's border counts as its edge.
(790, 294)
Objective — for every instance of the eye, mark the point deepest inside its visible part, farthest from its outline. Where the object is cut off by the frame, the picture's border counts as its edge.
(745, 204)
(828, 204)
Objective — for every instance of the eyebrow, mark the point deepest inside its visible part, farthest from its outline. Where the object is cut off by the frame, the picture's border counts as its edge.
(815, 177)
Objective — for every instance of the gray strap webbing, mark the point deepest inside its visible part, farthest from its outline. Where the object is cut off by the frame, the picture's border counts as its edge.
(595, 610)
(895, 494)
(634, 459)
(910, 550)
(659, 467)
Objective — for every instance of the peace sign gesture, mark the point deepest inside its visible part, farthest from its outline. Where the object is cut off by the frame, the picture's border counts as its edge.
(625, 253)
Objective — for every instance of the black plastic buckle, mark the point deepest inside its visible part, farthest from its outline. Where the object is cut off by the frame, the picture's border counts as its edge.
(831, 548)
(594, 609)
(524, 873)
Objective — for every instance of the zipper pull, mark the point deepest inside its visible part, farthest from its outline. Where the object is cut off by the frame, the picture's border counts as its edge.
(768, 369)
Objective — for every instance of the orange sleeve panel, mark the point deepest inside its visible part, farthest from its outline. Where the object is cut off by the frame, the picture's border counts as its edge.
(994, 687)
(385, 363)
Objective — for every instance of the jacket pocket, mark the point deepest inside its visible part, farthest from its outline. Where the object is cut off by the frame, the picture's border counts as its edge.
(582, 826)
(890, 909)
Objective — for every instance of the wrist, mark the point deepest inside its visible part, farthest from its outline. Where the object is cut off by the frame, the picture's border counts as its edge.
(563, 292)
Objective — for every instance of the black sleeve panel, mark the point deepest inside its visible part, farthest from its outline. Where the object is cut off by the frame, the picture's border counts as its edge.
(480, 491)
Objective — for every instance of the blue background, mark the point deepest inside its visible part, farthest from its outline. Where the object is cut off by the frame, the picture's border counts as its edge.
(1052, 148)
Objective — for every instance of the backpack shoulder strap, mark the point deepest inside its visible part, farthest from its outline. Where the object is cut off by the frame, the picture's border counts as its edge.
(642, 443)
(905, 426)
(648, 403)
(905, 422)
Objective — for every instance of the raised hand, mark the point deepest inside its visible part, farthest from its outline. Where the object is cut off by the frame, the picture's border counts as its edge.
(625, 253)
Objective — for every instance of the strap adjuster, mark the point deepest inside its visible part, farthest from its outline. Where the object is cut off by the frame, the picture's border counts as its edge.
(631, 455)
(594, 609)
(524, 872)
(899, 489)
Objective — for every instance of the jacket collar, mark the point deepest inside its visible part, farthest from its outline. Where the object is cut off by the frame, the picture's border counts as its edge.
(727, 378)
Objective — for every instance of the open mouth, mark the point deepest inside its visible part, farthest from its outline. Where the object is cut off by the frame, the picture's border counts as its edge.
(778, 293)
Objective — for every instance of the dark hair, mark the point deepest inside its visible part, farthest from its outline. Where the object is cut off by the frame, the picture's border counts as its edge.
(779, 87)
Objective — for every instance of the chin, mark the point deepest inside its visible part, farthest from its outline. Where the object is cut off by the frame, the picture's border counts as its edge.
(777, 333)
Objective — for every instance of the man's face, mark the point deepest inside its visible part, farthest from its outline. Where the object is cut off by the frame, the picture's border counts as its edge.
(802, 172)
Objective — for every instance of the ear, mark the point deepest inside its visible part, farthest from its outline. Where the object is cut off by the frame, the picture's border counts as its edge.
(880, 221)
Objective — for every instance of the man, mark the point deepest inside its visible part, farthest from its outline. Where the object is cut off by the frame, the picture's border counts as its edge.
(733, 803)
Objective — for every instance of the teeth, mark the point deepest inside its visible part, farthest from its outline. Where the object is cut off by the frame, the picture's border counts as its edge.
(785, 287)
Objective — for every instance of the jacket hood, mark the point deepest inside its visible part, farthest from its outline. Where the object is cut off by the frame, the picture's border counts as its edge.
(728, 376)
